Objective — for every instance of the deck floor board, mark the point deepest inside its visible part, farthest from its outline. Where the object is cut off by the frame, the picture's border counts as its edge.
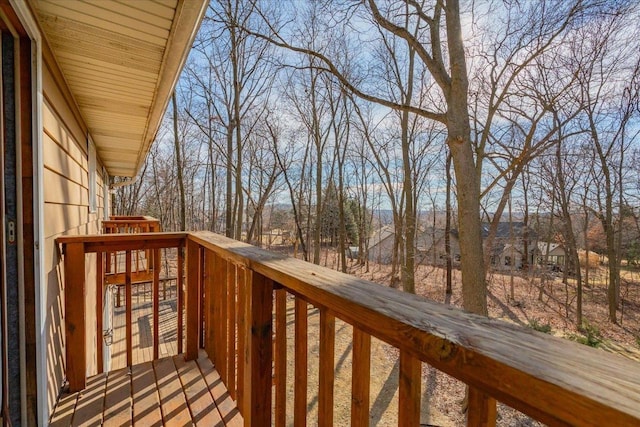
(166, 392)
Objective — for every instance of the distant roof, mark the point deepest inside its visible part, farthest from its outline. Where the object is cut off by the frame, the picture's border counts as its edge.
(504, 230)
(381, 234)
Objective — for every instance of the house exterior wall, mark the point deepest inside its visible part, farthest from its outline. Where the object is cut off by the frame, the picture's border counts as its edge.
(382, 252)
(66, 211)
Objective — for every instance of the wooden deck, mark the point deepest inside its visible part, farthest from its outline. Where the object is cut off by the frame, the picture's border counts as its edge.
(142, 326)
(168, 391)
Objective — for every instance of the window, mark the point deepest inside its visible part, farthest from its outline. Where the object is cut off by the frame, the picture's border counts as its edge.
(507, 260)
(105, 193)
(93, 190)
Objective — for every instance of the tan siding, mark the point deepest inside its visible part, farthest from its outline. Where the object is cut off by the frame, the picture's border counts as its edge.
(60, 105)
(60, 162)
(63, 191)
(66, 211)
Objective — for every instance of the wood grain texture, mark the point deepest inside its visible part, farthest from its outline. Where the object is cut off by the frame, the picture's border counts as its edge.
(118, 404)
(223, 321)
(241, 321)
(300, 364)
(257, 373)
(128, 303)
(280, 357)
(201, 404)
(173, 404)
(89, 398)
(326, 367)
(74, 297)
(231, 330)
(180, 298)
(156, 303)
(209, 313)
(481, 409)
(99, 309)
(225, 404)
(360, 378)
(146, 401)
(193, 299)
(409, 380)
(537, 374)
(540, 375)
(220, 276)
(168, 392)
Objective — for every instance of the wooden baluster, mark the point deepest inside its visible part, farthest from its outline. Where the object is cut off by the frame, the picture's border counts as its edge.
(74, 300)
(231, 330)
(409, 390)
(156, 303)
(326, 368)
(180, 297)
(209, 321)
(220, 276)
(360, 378)
(241, 321)
(128, 302)
(224, 318)
(280, 356)
(481, 409)
(99, 308)
(300, 364)
(201, 299)
(258, 368)
(107, 267)
(193, 299)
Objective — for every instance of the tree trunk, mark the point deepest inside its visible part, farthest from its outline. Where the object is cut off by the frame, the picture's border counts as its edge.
(447, 228)
(474, 290)
(183, 225)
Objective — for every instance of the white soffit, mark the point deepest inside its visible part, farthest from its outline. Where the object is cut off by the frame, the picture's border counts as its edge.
(121, 59)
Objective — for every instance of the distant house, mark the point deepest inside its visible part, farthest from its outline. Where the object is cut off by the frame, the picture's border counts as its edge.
(431, 249)
(511, 241)
(380, 247)
(550, 254)
(276, 237)
(430, 246)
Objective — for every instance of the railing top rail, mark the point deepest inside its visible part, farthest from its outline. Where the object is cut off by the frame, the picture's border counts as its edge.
(554, 380)
(122, 241)
(130, 221)
(132, 218)
(551, 379)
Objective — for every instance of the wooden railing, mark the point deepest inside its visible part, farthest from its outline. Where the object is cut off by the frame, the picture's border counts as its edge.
(236, 309)
(130, 224)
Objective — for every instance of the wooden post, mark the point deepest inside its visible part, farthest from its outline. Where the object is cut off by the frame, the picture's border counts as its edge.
(128, 309)
(99, 308)
(74, 301)
(231, 330)
(180, 297)
(193, 299)
(240, 313)
(326, 368)
(409, 390)
(217, 303)
(360, 378)
(300, 364)
(156, 303)
(209, 314)
(257, 373)
(481, 409)
(280, 356)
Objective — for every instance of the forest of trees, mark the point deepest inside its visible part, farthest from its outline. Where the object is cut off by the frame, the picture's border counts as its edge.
(337, 109)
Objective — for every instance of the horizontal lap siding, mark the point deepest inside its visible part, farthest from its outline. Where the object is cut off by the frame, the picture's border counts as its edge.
(66, 211)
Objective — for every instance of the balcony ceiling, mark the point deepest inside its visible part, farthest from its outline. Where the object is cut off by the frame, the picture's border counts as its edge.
(121, 61)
